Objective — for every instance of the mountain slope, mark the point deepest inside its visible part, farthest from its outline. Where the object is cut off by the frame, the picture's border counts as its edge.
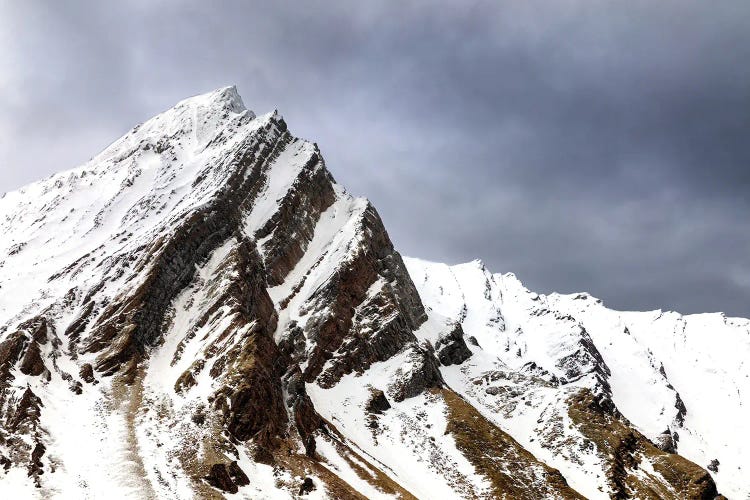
(551, 366)
(201, 311)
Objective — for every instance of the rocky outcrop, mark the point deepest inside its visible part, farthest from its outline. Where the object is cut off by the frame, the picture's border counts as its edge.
(422, 372)
(451, 348)
(11, 349)
(250, 398)
(20, 433)
(87, 373)
(300, 406)
(23, 349)
(307, 486)
(377, 403)
(357, 329)
(585, 359)
(227, 477)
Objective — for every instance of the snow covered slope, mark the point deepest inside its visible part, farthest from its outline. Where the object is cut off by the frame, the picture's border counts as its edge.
(681, 381)
(201, 311)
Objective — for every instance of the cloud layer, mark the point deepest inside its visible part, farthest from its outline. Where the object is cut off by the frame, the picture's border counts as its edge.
(595, 146)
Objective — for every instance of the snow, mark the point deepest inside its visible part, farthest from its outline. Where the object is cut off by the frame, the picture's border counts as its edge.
(18, 483)
(264, 481)
(89, 437)
(411, 443)
(337, 464)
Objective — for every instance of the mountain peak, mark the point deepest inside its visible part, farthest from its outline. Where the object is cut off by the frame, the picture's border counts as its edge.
(224, 98)
(192, 123)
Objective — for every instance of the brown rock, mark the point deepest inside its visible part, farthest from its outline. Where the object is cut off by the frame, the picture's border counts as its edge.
(26, 413)
(293, 225)
(31, 363)
(87, 373)
(131, 324)
(36, 468)
(307, 486)
(10, 351)
(219, 478)
(451, 348)
(227, 477)
(306, 419)
(425, 375)
(377, 403)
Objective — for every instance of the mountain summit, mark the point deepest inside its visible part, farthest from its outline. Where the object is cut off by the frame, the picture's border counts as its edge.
(202, 311)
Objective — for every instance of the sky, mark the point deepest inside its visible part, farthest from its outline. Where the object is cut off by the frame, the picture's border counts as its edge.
(598, 146)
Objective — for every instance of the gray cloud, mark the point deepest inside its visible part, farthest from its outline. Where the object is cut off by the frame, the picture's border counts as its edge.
(595, 146)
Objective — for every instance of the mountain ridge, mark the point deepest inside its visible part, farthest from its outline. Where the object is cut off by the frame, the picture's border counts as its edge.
(219, 316)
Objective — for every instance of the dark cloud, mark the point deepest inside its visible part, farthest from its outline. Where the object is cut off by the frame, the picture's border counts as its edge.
(596, 146)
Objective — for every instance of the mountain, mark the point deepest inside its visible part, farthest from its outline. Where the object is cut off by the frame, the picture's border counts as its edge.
(201, 311)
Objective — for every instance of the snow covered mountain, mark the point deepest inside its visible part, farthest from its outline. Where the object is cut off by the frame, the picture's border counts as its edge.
(201, 311)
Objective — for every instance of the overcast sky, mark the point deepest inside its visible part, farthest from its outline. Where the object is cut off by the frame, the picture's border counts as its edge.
(584, 145)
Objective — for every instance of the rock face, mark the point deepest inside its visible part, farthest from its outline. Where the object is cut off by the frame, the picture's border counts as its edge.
(201, 310)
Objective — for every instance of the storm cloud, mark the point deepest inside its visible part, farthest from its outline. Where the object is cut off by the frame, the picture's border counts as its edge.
(583, 145)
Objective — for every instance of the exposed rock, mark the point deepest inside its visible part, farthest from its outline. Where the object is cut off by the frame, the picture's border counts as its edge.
(665, 442)
(349, 314)
(377, 403)
(135, 320)
(251, 399)
(227, 477)
(10, 351)
(78, 325)
(293, 224)
(310, 446)
(451, 348)
(307, 486)
(31, 363)
(5, 462)
(423, 373)
(484, 445)
(36, 468)
(681, 409)
(306, 419)
(26, 413)
(87, 373)
(187, 379)
(494, 390)
(586, 359)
